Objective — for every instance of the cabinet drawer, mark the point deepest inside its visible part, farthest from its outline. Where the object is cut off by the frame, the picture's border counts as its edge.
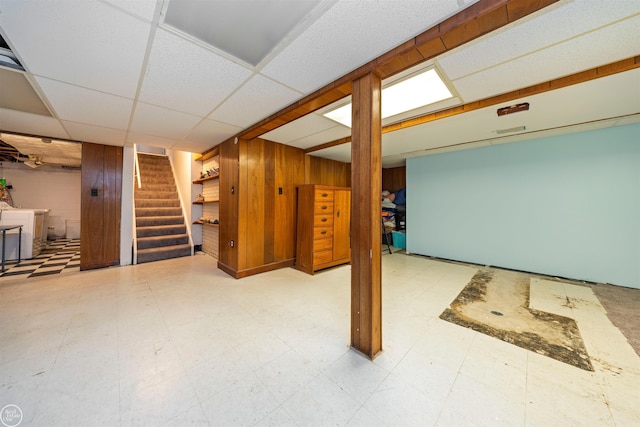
(322, 245)
(323, 220)
(322, 257)
(322, 232)
(321, 195)
(322, 207)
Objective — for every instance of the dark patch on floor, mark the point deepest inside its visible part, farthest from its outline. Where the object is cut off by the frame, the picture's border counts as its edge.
(545, 333)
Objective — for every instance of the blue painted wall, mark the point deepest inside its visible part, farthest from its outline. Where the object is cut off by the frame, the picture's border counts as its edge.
(567, 206)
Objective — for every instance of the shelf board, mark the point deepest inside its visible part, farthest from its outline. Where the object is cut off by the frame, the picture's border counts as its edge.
(208, 154)
(205, 201)
(201, 180)
(205, 223)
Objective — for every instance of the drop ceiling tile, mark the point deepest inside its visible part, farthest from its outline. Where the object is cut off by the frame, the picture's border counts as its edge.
(211, 133)
(87, 106)
(350, 34)
(150, 140)
(612, 96)
(336, 132)
(255, 100)
(152, 120)
(303, 127)
(32, 124)
(144, 9)
(609, 44)
(615, 95)
(95, 134)
(341, 153)
(17, 93)
(184, 76)
(550, 26)
(94, 45)
(191, 147)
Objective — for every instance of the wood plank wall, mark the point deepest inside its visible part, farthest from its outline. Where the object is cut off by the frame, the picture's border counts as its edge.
(229, 205)
(100, 213)
(326, 172)
(266, 205)
(258, 217)
(394, 178)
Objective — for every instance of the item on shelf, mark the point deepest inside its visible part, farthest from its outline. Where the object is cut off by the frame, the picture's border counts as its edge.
(200, 198)
(213, 172)
(204, 220)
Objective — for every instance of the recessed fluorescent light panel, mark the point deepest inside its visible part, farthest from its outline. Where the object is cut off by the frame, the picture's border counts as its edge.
(408, 94)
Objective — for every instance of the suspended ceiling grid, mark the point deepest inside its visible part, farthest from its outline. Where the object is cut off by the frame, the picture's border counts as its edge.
(115, 72)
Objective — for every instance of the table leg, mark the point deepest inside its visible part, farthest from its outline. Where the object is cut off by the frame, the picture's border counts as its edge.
(4, 235)
(19, 244)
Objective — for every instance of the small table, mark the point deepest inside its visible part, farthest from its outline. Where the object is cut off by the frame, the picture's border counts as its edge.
(4, 229)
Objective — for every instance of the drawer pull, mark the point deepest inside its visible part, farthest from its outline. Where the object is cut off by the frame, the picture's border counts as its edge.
(324, 207)
(323, 232)
(324, 220)
(325, 195)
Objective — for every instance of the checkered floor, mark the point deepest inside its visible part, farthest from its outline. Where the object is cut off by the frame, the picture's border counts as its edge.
(61, 255)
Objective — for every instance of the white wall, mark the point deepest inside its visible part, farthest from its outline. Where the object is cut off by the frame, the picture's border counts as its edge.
(186, 170)
(45, 187)
(126, 208)
(566, 206)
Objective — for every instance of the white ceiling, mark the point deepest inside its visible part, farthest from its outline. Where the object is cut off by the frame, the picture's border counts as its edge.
(114, 72)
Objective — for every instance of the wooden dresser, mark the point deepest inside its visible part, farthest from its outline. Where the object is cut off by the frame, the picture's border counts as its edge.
(323, 234)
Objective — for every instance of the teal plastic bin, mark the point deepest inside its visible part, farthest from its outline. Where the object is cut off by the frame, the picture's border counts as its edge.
(399, 239)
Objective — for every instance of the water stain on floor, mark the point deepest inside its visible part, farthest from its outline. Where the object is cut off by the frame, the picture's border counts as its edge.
(496, 303)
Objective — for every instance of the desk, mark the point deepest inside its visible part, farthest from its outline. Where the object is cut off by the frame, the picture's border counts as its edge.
(4, 229)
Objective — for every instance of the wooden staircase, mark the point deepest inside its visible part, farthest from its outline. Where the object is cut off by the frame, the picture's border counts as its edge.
(161, 232)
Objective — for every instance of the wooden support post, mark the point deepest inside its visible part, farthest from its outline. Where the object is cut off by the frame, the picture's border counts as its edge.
(366, 205)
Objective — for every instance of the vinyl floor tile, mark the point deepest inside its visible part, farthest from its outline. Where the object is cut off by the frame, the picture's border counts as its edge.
(178, 342)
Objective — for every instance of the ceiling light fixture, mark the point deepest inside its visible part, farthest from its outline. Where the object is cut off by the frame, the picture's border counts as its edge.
(513, 109)
(408, 94)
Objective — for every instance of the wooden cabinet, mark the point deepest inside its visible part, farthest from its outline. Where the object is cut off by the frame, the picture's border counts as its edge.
(323, 233)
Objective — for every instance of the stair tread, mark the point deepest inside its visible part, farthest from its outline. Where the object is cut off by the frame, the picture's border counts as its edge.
(165, 248)
(164, 237)
(160, 226)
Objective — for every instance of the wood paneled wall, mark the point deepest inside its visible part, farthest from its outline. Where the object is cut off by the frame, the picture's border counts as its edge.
(100, 202)
(258, 202)
(229, 188)
(326, 172)
(394, 178)
(261, 213)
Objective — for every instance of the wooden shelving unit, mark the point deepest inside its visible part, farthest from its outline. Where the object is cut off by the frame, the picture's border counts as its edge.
(210, 204)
